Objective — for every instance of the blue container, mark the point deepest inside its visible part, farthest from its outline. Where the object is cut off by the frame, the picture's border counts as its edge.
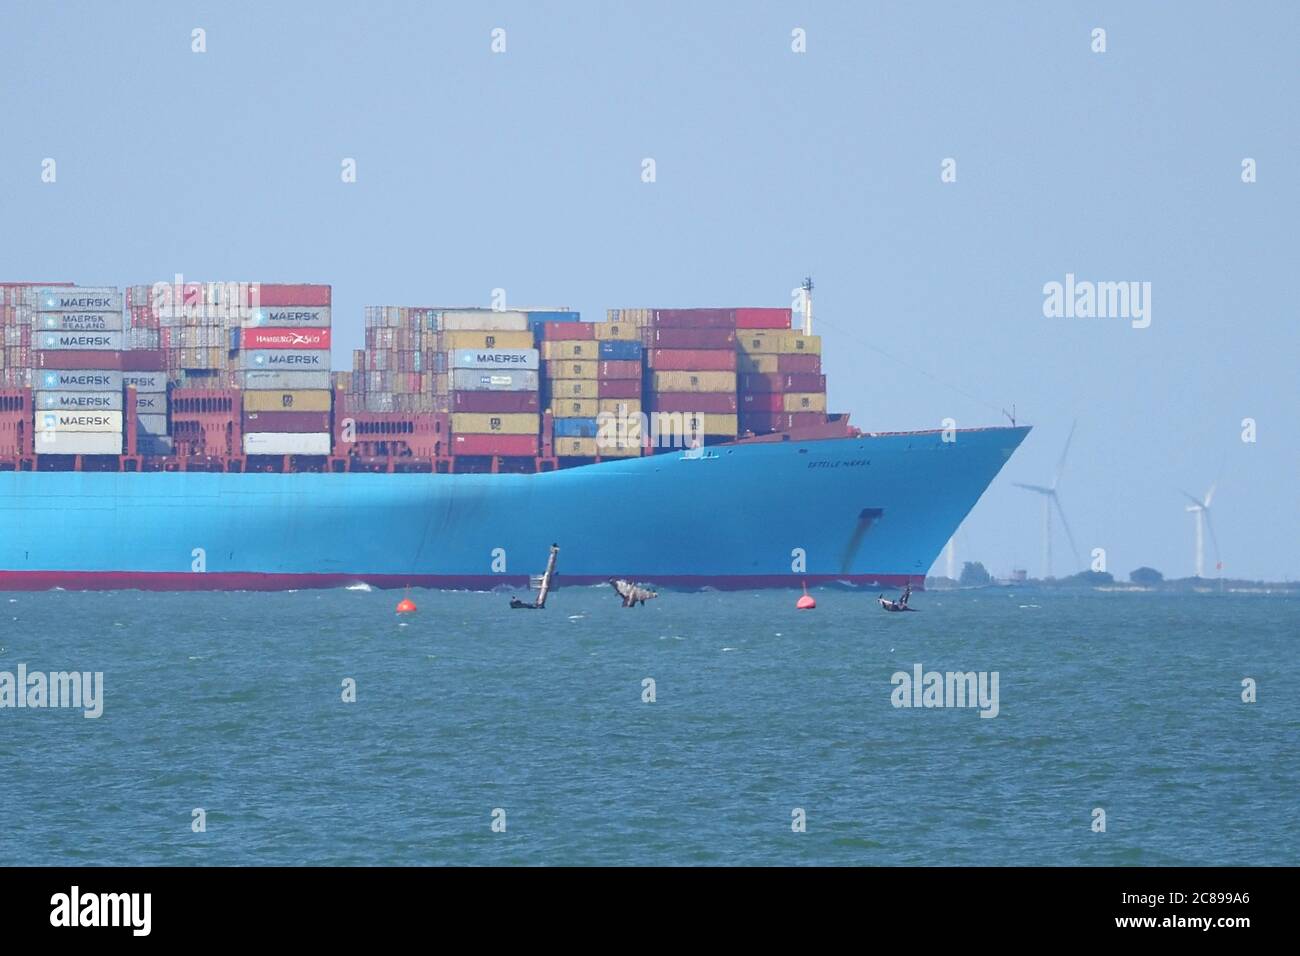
(575, 428)
(537, 319)
(619, 350)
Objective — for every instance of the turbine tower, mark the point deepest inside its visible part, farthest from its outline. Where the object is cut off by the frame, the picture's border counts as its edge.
(1050, 500)
(1201, 508)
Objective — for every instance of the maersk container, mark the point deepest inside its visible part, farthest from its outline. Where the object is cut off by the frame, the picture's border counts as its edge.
(496, 380)
(151, 403)
(620, 349)
(81, 321)
(288, 316)
(488, 340)
(486, 320)
(287, 360)
(78, 341)
(288, 401)
(526, 359)
(102, 401)
(257, 380)
(78, 299)
(77, 420)
(286, 443)
(151, 424)
(96, 380)
(77, 443)
(575, 427)
(145, 381)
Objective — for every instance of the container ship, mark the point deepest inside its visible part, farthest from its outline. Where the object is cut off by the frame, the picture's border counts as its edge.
(193, 436)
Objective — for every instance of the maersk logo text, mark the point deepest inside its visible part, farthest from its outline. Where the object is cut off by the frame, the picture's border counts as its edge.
(923, 688)
(1098, 300)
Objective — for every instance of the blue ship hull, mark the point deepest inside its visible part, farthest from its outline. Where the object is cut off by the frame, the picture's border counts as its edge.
(875, 509)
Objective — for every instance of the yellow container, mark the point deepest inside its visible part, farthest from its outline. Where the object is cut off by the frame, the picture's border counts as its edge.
(778, 342)
(637, 317)
(756, 364)
(574, 408)
(562, 388)
(619, 406)
(506, 423)
(694, 381)
(466, 339)
(805, 401)
(572, 368)
(575, 447)
(617, 331)
(711, 424)
(256, 400)
(571, 349)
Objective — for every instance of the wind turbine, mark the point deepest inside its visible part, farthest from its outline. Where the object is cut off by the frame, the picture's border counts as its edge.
(1201, 508)
(1050, 499)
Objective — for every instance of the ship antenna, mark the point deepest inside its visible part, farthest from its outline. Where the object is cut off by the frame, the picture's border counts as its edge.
(807, 288)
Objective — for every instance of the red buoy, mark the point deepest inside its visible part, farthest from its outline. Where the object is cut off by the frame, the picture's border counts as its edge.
(405, 606)
(807, 602)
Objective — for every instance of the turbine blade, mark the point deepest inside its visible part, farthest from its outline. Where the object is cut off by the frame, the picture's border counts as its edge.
(1209, 495)
(1061, 511)
(1193, 499)
(1060, 465)
(1038, 488)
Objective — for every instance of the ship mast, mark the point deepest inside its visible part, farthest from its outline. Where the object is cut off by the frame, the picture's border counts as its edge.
(807, 304)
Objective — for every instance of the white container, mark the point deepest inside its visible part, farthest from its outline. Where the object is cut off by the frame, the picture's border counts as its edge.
(491, 380)
(485, 320)
(77, 299)
(151, 425)
(79, 380)
(286, 381)
(151, 403)
(77, 341)
(77, 443)
(80, 401)
(288, 317)
(80, 321)
(145, 381)
(287, 443)
(525, 359)
(78, 420)
(287, 360)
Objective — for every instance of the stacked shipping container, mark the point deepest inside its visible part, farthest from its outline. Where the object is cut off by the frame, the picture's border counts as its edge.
(495, 398)
(77, 334)
(691, 373)
(403, 367)
(781, 386)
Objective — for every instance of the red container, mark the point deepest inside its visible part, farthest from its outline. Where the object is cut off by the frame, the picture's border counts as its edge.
(286, 421)
(277, 294)
(692, 360)
(510, 445)
(284, 338)
(619, 388)
(794, 382)
(809, 364)
(763, 318)
(144, 360)
(674, 338)
(558, 331)
(87, 359)
(494, 401)
(694, 318)
(621, 368)
(762, 402)
(761, 422)
(706, 403)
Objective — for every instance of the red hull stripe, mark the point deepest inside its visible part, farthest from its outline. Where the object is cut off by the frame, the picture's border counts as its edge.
(249, 581)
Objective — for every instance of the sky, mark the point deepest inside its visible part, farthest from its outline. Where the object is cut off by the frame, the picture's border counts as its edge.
(522, 170)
